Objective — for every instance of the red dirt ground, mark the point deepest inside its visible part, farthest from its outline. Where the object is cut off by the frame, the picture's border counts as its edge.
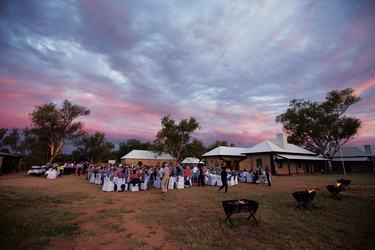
(102, 238)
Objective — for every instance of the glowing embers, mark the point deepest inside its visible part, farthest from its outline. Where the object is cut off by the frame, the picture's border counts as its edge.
(335, 189)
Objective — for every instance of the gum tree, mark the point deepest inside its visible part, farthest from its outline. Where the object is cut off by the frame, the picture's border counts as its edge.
(56, 127)
(173, 138)
(321, 126)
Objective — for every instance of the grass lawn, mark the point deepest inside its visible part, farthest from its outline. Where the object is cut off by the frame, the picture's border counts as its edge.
(77, 214)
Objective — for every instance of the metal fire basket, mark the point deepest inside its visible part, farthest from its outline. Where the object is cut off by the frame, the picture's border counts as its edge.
(345, 183)
(240, 206)
(304, 198)
(334, 190)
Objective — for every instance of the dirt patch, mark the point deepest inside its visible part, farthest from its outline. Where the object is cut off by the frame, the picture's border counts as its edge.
(120, 230)
(22, 179)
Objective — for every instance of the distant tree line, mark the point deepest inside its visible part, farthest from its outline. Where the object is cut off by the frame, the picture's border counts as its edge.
(54, 129)
(321, 127)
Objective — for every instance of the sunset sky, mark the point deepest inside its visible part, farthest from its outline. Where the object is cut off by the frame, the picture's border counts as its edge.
(233, 65)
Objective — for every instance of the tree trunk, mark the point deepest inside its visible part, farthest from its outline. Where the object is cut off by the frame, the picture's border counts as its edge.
(330, 165)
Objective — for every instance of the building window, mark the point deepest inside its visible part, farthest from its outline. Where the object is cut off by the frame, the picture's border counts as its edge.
(259, 162)
(140, 163)
(280, 164)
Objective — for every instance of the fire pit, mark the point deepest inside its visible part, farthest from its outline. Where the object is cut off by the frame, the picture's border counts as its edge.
(304, 197)
(240, 206)
(335, 189)
(345, 183)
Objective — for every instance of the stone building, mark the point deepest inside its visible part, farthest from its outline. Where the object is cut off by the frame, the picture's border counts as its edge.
(230, 157)
(9, 162)
(144, 157)
(355, 159)
(284, 158)
(280, 157)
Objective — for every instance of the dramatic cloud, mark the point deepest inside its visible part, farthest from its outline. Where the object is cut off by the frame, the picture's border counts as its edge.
(234, 65)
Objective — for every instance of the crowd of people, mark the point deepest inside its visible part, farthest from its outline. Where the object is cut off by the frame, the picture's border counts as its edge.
(137, 174)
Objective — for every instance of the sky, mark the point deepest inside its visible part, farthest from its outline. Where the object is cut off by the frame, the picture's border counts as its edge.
(233, 65)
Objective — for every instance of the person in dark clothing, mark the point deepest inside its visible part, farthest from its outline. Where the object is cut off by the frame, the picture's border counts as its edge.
(224, 180)
(201, 177)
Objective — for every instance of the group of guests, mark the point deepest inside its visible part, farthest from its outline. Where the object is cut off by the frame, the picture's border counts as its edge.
(68, 168)
(258, 176)
(137, 174)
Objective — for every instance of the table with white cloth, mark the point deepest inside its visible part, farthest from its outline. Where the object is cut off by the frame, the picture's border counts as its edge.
(36, 171)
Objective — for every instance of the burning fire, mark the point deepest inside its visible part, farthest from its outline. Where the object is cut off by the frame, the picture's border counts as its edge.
(312, 190)
(240, 202)
(338, 184)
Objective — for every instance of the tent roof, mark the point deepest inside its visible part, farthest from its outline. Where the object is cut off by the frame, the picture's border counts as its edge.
(146, 155)
(191, 160)
(225, 151)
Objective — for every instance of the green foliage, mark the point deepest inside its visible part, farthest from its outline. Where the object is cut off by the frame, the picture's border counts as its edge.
(13, 140)
(195, 149)
(55, 127)
(173, 138)
(3, 148)
(321, 127)
(93, 147)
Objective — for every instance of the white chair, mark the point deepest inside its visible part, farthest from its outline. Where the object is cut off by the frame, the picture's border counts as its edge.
(231, 181)
(115, 180)
(133, 188)
(108, 185)
(243, 177)
(98, 179)
(236, 180)
(249, 178)
(51, 174)
(180, 183)
(218, 182)
(205, 180)
(121, 181)
(212, 180)
(157, 182)
(261, 177)
(92, 178)
(171, 183)
(145, 183)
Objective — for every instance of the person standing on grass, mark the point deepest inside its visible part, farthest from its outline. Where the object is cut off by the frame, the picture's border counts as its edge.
(164, 182)
(224, 180)
(268, 176)
(201, 176)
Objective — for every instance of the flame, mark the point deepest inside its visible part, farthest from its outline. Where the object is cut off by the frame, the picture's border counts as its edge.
(240, 202)
(338, 184)
(312, 190)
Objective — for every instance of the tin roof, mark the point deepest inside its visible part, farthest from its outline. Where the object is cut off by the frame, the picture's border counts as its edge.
(225, 151)
(270, 146)
(351, 152)
(302, 157)
(146, 155)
